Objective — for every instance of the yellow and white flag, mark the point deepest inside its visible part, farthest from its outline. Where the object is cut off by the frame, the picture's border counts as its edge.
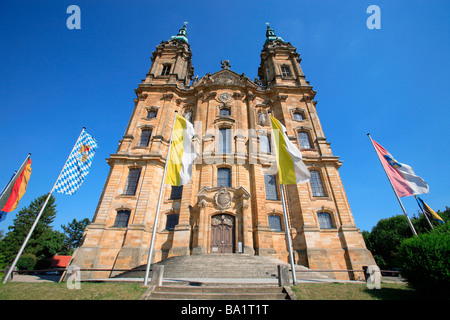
(182, 153)
(291, 169)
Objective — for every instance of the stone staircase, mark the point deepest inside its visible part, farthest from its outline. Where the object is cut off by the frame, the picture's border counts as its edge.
(222, 266)
(223, 292)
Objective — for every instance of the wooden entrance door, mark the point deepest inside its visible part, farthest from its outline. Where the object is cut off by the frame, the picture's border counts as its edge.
(222, 234)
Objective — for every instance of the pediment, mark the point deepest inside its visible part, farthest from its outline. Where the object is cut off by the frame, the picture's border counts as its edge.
(226, 77)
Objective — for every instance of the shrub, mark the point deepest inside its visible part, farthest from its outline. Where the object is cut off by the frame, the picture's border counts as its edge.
(425, 262)
(27, 261)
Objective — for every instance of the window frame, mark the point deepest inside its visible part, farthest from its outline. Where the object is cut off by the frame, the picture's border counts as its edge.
(122, 218)
(175, 192)
(166, 69)
(224, 169)
(145, 143)
(325, 220)
(279, 221)
(306, 137)
(268, 144)
(171, 222)
(151, 110)
(271, 193)
(127, 186)
(286, 71)
(296, 112)
(225, 109)
(224, 141)
(316, 189)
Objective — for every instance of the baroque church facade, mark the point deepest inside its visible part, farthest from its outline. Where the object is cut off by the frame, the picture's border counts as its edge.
(232, 203)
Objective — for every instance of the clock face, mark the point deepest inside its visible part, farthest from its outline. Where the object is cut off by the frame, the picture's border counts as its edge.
(224, 97)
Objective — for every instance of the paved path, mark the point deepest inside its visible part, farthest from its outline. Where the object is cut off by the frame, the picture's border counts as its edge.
(55, 278)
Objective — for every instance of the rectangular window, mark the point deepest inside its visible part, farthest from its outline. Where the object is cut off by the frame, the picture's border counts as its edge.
(132, 182)
(152, 114)
(298, 116)
(166, 70)
(176, 192)
(316, 184)
(325, 220)
(304, 140)
(271, 187)
(264, 144)
(275, 222)
(225, 112)
(172, 221)
(122, 218)
(224, 177)
(145, 138)
(224, 141)
(286, 71)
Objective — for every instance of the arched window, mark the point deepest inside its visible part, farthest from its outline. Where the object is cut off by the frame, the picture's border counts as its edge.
(275, 222)
(325, 220)
(171, 221)
(303, 138)
(122, 218)
(224, 177)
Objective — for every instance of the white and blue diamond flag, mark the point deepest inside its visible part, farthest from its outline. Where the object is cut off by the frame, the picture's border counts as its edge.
(78, 164)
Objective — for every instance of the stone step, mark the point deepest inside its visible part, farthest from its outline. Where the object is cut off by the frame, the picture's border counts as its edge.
(217, 293)
(223, 266)
(218, 289)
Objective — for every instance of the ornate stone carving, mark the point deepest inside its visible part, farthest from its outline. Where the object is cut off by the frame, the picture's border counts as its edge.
(223, 198)
(222, 219)
(224, 97)
(167, 96)
(263, 118)
(142, 96)
(226, 78)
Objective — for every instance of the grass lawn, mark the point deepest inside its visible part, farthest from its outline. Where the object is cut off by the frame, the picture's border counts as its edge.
(133, 291)
(59, 291)
(352, 291)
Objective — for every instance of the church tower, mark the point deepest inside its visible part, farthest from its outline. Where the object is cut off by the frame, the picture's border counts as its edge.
(232, 203)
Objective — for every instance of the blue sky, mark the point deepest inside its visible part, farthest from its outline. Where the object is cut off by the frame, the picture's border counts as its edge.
(391, 82)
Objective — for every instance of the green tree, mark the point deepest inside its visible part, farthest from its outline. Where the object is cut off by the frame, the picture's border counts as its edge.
(385, 238)
(74, 233)
(44, 241)
(425, 262)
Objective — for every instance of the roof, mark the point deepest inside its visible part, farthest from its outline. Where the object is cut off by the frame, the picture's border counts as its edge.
(60, 261)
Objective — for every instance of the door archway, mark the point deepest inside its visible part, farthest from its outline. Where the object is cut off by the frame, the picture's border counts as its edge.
(222, 233)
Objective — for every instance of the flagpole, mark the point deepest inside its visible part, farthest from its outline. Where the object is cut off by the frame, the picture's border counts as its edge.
(288, 236)
(423, 211)
(392, 185)
(155, 223)
(37, 218)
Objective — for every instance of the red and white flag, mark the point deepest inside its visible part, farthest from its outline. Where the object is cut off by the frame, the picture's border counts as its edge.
(402, 176)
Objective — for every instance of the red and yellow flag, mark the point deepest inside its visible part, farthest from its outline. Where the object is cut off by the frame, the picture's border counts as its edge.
(9, 200)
